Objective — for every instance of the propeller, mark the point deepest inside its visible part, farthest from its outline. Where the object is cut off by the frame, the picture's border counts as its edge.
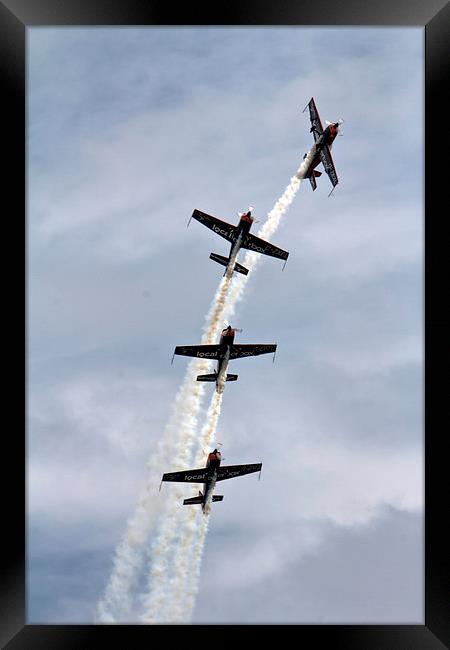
(216, 446)
(236, 329)
(250, 209)
(338, 123)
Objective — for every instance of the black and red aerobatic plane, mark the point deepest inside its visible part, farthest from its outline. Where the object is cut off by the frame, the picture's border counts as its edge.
(323, 139)
(223, 352)
(209, 475)
(239, 237)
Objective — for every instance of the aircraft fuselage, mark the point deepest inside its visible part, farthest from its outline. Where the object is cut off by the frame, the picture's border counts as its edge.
(327, 137)
(209, 476)
(212, 464)
(226, 341)
(242, 229)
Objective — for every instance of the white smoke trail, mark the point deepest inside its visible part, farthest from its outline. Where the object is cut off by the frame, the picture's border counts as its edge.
(174, 605)
(251, 260)
(187, 559)
(116, 602)
(223, 307)
(170, 516)
(214, 318)
(209, 428)
(193, 577)
(175, 444)
(164, 601)
(154, 601)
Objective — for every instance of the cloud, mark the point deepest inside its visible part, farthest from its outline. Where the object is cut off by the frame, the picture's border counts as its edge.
(346, 576)
(89, 438)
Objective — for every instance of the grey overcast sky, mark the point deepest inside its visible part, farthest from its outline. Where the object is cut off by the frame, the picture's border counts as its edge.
(129, 130)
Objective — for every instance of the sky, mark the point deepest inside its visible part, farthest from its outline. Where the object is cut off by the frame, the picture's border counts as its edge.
(129, 130)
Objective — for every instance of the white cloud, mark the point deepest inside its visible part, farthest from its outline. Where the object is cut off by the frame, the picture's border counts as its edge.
(380, 357)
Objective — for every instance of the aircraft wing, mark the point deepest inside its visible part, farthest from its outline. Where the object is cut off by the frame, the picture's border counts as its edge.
(231, 471)
(250, 350)
(222, 228)
(200, 351)
(327, 160)
(190, 476)
(316, 124)
(253, 243)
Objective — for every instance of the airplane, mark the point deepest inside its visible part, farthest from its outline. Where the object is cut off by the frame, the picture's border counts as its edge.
(239, 237)
(324, 141)
(223, 352)
(209, 475)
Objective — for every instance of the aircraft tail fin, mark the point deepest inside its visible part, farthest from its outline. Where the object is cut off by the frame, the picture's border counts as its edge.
(212, 377)
(220, 259)
(312, 180)
(193, 501)
(217, 497)
(240, 269)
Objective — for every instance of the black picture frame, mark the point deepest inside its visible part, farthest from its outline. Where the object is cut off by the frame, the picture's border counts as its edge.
(434, 16)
